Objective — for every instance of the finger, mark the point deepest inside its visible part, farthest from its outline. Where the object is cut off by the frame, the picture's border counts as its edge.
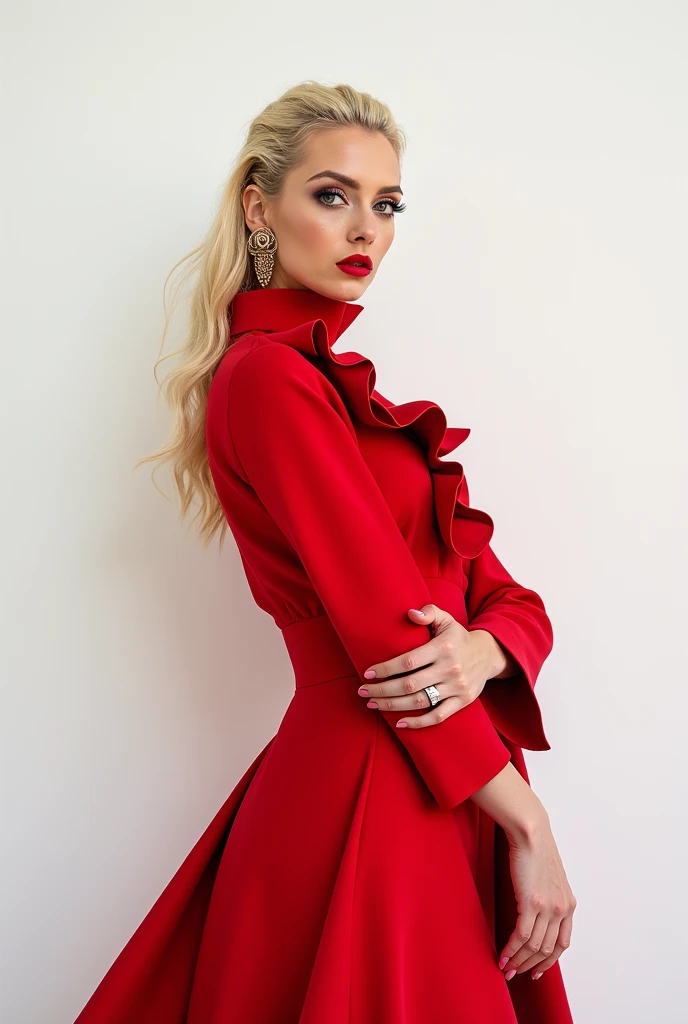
(408, 693)
(532, 945)
(416, 701)
(411, 661)
(521, 933)
(545, 947)
(446, 707)
(417, 657)
(403, 686)
(432, 616)
(563, 942)
(428, 614)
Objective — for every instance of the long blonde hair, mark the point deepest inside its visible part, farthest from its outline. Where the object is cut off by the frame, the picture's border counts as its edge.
(275, 143)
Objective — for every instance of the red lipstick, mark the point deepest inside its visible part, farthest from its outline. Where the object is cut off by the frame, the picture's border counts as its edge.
(357, 265)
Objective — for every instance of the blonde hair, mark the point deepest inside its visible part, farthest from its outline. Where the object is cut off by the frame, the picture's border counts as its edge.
(275, 143)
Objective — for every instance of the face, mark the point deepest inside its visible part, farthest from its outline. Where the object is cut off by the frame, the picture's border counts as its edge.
(321, 219)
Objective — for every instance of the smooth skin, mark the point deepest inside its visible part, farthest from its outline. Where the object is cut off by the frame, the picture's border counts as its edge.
(319, 219)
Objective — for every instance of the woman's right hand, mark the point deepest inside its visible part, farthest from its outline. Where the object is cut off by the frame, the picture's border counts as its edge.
(543, 895)
(544, 899)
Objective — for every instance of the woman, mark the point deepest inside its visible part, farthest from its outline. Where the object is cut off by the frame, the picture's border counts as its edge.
(363, 870)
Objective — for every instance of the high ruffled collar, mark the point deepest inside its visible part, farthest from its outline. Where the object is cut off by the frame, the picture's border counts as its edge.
(280, 309)
(311, 323)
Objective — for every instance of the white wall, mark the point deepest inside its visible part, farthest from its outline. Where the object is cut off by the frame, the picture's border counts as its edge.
(536, 290)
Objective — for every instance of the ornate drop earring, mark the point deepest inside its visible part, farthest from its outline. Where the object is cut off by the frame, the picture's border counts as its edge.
(262, 244)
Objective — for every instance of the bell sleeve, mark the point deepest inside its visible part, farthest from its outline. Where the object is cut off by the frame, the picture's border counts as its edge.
(517, 619)
(296, 447)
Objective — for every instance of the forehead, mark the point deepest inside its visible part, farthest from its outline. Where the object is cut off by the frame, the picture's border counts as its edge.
(364, 155)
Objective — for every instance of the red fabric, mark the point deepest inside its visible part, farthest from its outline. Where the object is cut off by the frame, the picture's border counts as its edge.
(348, 878)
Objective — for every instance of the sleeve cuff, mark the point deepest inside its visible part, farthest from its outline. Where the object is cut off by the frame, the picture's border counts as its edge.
(511, 702)
(458, 756)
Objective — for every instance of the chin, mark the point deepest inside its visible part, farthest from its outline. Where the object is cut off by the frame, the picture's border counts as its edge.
(349, 288)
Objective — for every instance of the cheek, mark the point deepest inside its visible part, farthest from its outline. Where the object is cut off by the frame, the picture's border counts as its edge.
(308, 229)
(385, 239)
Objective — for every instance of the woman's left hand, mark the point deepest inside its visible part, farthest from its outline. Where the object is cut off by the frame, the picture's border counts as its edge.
(457, 661)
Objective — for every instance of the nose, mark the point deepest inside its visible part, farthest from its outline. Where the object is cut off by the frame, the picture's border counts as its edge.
(364, 230)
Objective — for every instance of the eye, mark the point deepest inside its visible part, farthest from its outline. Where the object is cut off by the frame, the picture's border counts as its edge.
(396, 207)
(323, 192)
(330, 191)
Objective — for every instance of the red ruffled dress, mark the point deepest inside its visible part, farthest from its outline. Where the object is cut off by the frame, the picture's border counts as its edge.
(348, 878)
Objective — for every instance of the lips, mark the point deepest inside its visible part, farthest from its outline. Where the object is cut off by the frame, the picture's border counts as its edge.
(358, 259)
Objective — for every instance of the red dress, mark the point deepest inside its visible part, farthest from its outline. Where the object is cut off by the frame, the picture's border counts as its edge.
(348, 878)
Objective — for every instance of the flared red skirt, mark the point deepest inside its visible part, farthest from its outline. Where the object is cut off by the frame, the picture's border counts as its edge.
(331, 889)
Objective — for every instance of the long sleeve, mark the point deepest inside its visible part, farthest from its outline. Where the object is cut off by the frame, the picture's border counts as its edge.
(517, 619)
(296, 448)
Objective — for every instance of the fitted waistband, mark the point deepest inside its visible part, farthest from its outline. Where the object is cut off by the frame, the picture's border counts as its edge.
(316, 652)
(318, 655)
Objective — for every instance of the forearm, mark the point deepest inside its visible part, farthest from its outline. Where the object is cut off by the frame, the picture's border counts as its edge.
(509, 799)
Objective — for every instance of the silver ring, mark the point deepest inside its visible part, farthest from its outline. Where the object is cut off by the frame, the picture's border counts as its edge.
(433, 695)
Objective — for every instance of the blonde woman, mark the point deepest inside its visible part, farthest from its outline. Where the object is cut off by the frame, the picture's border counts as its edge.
(384, 859)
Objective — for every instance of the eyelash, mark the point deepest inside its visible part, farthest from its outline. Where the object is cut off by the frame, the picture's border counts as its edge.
(396, 207)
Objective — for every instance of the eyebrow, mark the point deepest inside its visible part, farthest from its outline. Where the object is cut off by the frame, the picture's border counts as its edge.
(352, 183)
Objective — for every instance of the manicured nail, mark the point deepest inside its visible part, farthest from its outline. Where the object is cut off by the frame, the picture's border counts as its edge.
(369, 673)
(502, 962)
(509, 975)
(363, 692)
(371, 704)
(418, 611)
(538, 975)
(402, 725)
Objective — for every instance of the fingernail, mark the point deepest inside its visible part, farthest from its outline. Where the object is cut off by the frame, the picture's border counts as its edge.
(502, 962)
(418, 611)
(369, 673)
(538, 975)
(371, 704)
(363, 692)
(402, 725)
(509, 975)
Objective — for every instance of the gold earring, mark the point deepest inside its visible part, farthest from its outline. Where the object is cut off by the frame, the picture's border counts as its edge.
(262, 244)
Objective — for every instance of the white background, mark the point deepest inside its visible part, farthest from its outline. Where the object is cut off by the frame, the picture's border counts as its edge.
(536, 290)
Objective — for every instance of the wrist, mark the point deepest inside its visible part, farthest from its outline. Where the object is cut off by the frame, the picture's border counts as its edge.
(531, 824)
(494, 657)
(511, 801)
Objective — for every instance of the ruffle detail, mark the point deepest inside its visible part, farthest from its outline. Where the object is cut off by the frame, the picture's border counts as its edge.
(464, 529)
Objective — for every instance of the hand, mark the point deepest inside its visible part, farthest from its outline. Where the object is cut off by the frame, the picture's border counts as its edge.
(457, 661)
(545, 904)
